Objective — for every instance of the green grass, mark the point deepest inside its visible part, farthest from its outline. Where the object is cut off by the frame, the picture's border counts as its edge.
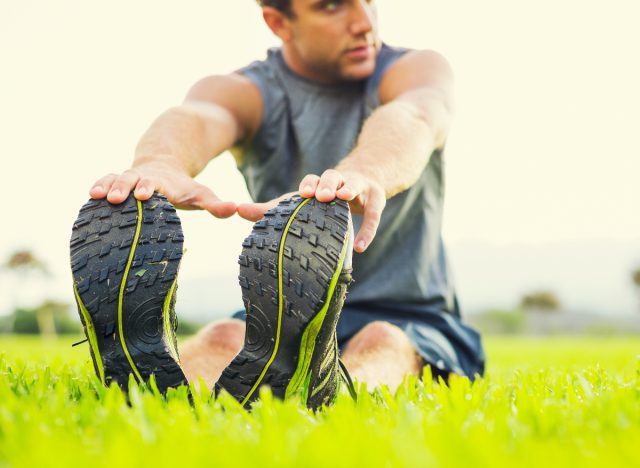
(543, 402)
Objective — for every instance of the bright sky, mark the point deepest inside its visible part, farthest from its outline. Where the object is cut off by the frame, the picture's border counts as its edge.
(544, 148)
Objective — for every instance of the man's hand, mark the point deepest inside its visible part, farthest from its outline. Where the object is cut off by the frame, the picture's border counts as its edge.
(166, 178)
(364, 194)
(255, 211)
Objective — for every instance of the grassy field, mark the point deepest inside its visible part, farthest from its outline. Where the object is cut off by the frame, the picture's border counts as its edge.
(543, 402)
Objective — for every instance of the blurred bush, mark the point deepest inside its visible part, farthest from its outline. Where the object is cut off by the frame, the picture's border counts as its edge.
(49, 318)
(499, 321)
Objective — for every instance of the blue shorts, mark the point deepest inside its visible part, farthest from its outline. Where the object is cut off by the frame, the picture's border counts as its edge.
(440, 337)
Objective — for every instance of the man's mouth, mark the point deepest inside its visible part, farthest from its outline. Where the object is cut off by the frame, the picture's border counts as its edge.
(362, 52)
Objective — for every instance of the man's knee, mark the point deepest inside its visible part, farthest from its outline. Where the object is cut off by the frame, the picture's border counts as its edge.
(377, 335)
(207, 353)
(381, 353)
(226, 332)
(222, 334)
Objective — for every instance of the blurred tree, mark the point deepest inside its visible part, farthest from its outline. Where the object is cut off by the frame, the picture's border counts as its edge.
(25, 261)
(542, 301)
(499, 321)
(25, 321)
(22, 265)
(46, 313)
(7, 322)
(28, 320)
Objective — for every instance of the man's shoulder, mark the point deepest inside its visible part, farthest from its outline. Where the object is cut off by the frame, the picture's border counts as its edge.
(265, 66)
(416, 69)
(234, 93)
(413, 60)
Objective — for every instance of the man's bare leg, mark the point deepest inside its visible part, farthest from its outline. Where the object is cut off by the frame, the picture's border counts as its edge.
(381, 354)
(206, 354)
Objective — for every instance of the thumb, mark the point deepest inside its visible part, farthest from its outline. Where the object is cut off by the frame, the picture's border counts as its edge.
(255, 211)
(207, 200)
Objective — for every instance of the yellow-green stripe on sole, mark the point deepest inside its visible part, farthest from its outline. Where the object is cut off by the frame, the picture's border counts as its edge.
(91, 334)
(307, 344)
(279, 325)
(123, 285)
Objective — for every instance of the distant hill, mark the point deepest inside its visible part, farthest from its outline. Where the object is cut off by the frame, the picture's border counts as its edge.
(590, 276)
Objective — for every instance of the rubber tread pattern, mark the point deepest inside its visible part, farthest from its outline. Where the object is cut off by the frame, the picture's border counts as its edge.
(311, 256)
(100, 245)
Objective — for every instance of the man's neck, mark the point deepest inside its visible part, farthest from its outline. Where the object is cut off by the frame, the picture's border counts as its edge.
(297, 66)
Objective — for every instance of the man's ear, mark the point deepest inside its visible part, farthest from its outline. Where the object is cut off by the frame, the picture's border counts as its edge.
(278, 22)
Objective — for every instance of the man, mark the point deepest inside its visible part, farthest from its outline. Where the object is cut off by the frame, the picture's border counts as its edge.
(339, 116)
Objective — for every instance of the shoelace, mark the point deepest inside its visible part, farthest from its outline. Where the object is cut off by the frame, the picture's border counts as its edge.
(346, 378)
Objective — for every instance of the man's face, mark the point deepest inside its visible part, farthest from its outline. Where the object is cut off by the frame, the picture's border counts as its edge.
(334, 40)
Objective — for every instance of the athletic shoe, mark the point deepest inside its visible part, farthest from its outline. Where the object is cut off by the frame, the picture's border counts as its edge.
(124, 260)
(294, 271)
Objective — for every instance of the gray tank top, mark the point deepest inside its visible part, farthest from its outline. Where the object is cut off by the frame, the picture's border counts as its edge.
(308, 127)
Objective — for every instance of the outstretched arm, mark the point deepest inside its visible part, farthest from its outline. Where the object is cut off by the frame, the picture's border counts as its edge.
(395, 143)
(393, 148)
(180, 142)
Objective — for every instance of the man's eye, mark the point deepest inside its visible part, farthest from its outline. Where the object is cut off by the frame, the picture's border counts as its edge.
(331, 6)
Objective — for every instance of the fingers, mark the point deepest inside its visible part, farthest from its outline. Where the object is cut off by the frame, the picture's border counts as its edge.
(328, 185)
(117, 187)
(332, 184)
(102, 186)
(145, 188)
(255, 211)
(186, 194)
(205, 199)
(309, 185)
(223, 209)
(374, 204)
(121, 187)
(353, 186)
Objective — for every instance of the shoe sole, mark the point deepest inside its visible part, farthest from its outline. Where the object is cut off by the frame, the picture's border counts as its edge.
(289, 267)
(124, 261)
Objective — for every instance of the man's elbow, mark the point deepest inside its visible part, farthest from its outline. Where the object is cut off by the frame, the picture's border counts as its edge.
(214, 119)
(430, 110)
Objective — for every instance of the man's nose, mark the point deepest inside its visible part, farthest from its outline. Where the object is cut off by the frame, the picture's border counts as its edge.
(362, 18)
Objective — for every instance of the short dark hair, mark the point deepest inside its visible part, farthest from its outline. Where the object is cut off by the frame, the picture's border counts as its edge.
(283, 5)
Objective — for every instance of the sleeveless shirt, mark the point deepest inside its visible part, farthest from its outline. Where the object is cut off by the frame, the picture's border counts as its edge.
(308, 127)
